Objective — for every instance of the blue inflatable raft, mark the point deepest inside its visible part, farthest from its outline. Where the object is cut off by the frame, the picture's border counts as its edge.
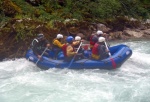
(119, 54)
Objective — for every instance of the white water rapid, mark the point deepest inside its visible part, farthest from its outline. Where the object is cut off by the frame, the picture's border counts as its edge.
(22, 81)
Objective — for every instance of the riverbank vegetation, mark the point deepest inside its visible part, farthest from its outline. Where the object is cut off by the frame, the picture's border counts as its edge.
(50, 12)
(88, 10)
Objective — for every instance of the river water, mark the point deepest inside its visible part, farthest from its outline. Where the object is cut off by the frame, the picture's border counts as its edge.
(22, 81)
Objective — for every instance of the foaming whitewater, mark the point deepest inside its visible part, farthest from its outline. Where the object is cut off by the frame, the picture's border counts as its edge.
(23, 81)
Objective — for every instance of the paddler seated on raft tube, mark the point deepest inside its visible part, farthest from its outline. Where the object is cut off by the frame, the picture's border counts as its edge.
(69, 50)
(99, 50)
(77, 42)
(94, 38)
(39, 44)
(57, 45)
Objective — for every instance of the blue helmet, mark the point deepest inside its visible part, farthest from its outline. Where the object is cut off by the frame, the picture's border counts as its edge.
(69, 39)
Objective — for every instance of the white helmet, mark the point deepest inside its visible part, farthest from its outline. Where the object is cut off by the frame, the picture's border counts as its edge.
(99, 32)
(101, 39)
(77, 38)
(59, 36)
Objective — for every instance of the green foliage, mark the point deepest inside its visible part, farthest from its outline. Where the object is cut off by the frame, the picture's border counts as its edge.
(105, 9)
(23, 30)
(147, 2)
(90, 10)
(51, 4)
(134, 9)
(9, 8)
(25, 7)
(50, 24)
(1, 6)
(20, 33)
(56, 16)
(85, 9)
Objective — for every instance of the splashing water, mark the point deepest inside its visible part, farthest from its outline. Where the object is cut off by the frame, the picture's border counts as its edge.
(22, 81)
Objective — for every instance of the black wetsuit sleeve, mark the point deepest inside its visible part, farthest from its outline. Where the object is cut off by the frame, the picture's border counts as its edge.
(105, 53)
(39, 47)
(99, 49)
(102, 51)
(46, 42)
(35, 49)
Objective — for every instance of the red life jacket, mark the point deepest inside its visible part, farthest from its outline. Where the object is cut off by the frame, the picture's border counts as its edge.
(95, 49)
(92, 42)
(64, 49)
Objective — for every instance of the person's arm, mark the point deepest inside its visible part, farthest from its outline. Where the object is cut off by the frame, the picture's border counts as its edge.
(99, 50)
(45, 44)
(76, 43)
(58, 43)
(35, 50)
(103, 48)
(104, 51)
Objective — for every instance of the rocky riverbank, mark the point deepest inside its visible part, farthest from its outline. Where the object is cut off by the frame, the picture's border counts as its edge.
(17, 34)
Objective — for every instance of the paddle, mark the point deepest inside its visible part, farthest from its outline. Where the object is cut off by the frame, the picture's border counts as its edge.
(107, 48)
(41, 55)
(112, 60)
(75, 55)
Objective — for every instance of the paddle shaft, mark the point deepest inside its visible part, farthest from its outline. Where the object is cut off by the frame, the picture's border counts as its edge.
(42, 54)
(75, 55)
(112, 60)
(107, 48)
